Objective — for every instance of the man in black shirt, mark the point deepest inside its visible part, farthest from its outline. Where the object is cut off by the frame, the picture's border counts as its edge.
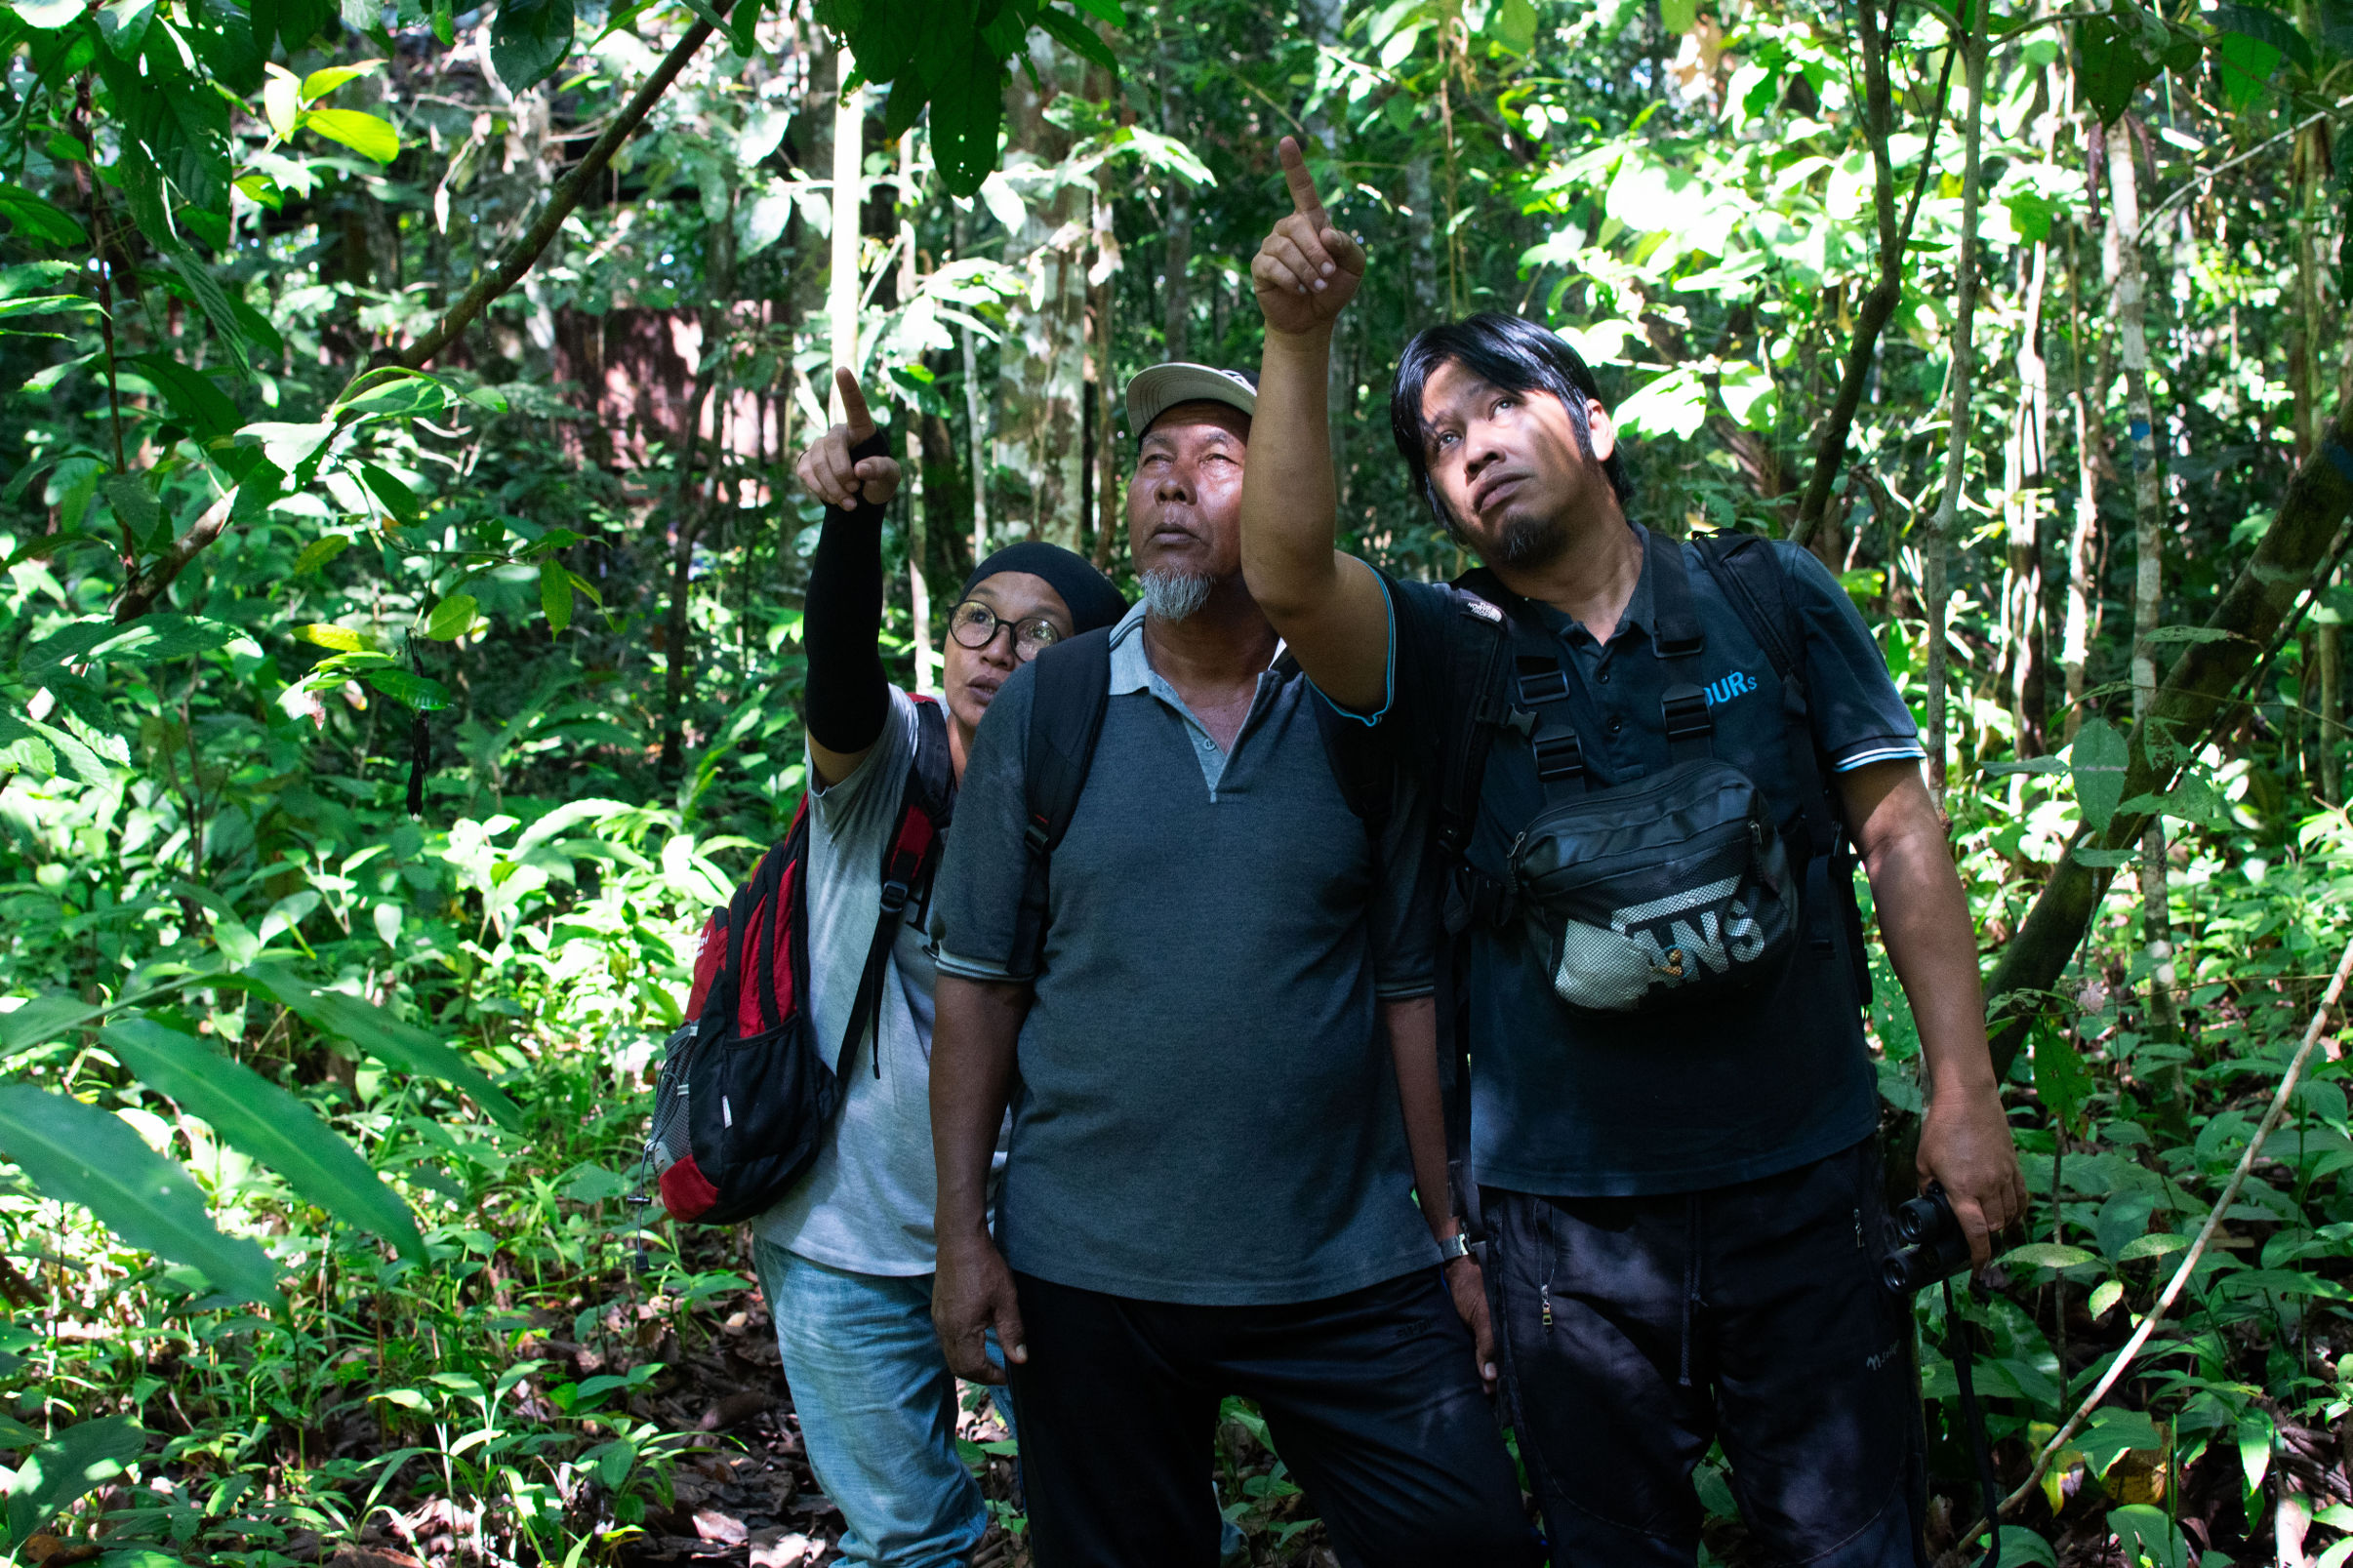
(1682, 1199)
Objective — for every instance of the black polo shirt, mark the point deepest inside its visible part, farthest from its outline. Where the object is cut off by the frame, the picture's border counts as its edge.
(1586, 1105)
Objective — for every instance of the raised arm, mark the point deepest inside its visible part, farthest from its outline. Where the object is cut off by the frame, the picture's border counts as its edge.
(848, 694)
(1330, 607)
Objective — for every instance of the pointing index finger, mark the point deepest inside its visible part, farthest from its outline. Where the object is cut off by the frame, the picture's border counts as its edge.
(1304, 200)
(854, 411)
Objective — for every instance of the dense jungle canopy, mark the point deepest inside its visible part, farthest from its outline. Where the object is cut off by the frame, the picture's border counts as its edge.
(398, 656)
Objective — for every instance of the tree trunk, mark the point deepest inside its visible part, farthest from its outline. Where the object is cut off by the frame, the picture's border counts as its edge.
(2128, 303)
(1933, 585)
(2199, 687)
(2025, 474)
(1421, 237)
(1041, 358)
(919, 532)
(849, 196)
(2333, 706)
(2087, 402)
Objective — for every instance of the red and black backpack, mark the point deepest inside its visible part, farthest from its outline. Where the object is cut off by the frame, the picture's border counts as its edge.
(744, 1094)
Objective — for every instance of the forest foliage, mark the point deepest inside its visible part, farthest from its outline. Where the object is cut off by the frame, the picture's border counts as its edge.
(399, 596)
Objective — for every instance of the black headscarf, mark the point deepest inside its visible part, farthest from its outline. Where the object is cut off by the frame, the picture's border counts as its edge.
(1092, 600)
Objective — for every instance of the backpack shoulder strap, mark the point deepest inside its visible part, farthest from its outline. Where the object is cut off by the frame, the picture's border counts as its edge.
(909, 858)
(1066, 716)
(1744, 568)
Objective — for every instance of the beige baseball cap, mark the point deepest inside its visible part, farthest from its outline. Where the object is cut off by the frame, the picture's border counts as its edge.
(1152, 392)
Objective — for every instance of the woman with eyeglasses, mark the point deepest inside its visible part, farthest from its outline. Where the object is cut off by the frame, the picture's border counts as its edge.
(845, 1259)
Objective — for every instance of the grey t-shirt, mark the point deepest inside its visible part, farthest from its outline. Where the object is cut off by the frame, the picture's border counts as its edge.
(1205, 1111)
(866, 1204)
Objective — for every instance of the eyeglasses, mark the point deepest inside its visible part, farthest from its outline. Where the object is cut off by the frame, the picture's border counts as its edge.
(975, 625)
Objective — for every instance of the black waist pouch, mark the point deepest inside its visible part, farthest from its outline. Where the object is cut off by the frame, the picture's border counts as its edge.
(1660, 893)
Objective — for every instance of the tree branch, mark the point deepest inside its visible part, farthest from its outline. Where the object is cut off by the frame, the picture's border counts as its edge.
(145, 588)
(566, 196)
(1878, 115)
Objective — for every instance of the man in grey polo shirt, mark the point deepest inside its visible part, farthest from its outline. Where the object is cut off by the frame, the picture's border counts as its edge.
(1223, 1073)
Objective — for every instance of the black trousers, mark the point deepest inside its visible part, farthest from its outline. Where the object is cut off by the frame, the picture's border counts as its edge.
(1371, 1399)
(1635, 1332)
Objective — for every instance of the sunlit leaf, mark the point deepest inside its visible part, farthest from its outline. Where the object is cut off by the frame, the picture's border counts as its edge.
(319, 551)
(555, 593)
(340, 638)
(2046, 1255)
(267, 1122)
(363, 133)
(85, 1155)
(415, 691)
(380, 1035)
(319, 83)
(452, 618)
(77, 1461)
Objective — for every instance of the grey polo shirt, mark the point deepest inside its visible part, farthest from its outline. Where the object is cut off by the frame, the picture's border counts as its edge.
(1205, 1111)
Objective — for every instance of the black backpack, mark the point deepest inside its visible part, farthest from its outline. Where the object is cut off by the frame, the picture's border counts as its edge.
(744, 1094)
(1504, 660)
(1065, 717)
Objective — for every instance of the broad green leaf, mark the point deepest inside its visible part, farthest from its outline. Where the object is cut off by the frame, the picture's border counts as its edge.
(124, 25)
(85, 1155)
(2022, 1548)
(267, 1122)
(2046, 1255)
(287, 446)
(35, 216)
(2156, 1244)
(2104, 1295)
(452, 618)
(363, 133)
(2147, 1534)
(44, 1018)
(555, 593)
(2244, 66)
(397, 498)
(282, 101)
(343, 639)
(159, 638)
(2113, 1433)
(1678, 16)
(69, 1465)
(319, 551)
(418, 692)
(380, 1035)
(528, 40)
(398, 395)
(2059, 1076)
(47, 14)
(319, 83)
(2255, 1436)
(203, 407)
(2097, 761)
(1514, 24)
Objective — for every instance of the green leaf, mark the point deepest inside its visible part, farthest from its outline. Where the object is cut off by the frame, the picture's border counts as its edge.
(1104, 10)
(380, 1035)
(47, 14)
(204, 407)
(452, 618)
(134, 503)
(418, 692)
(529, 39)
(363, 133)
(555, 593)
(2156, 1244)
(287, 446)
(319, 551)
(2097, 761)
(343, 639)
(44, 1018)
(2104, 1295)
(71, 1464)
(2146, 1533)
(401, 394)
(2110, 64)
(1514, 26)
(90, 1157)
(1679, 15)
(397, 498)
(36, 217)
(2047, 1255)
(2059, 1076)
(267, 1122)
(966, 109)
(2244, 66)
(2112, 1432)
(319, 83)
(1077, 36)
(124, 25)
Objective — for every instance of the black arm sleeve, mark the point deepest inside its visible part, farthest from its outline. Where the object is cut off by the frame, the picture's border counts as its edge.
(848, 697)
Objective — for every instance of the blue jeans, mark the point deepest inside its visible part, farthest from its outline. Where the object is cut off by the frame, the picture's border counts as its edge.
(877, 1409)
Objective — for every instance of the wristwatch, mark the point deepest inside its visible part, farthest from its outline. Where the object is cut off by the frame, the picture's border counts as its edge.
(1452, 1247)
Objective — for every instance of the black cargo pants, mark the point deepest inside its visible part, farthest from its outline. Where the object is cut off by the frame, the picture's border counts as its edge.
(1372, 1399)
(1634, 1332)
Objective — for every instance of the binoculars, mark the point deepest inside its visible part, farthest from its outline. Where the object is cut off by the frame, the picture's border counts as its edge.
(1934, 1247)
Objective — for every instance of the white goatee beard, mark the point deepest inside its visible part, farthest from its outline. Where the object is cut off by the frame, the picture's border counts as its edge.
(1173, 595)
